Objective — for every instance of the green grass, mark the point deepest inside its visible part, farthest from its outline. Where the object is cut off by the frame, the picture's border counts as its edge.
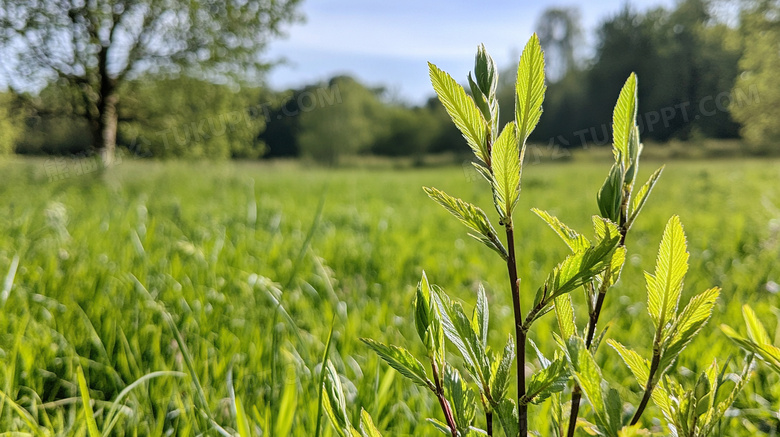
(215, 275)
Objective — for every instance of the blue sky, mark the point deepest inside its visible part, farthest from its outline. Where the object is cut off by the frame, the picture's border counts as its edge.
(388, 42)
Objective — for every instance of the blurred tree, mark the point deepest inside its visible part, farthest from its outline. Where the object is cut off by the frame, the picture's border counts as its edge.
(755, 100)
(346, 125)
(560, 34)
(187, 117)
(10, 122)
(410, 131)
(53, 124)
(95, 46)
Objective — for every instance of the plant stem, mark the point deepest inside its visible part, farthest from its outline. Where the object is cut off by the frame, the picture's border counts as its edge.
(576, 393)
(489, 417)
(648, 388)
(520, 334)
(445, 406)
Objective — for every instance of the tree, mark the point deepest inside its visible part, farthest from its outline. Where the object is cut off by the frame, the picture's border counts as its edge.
(95, 46)
(10, 123)
(348, 124)
(755, 99)
(559, 33)
(187, 117)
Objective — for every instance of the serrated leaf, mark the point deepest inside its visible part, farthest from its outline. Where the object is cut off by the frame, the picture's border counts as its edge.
(572, 238)
(756, 331)
(499, 375)
(471, 216)
(665, 286)
(401, 360)
(614, 411)
(367, 427)
(439, 425)
(481, 316)
(545, 382)
(458, 329)
(507, 416)
(529, 88)
(604, 227)
(578, 268)
(587, 374)
(769, 353)
(564, 312)
(464, 406)
(641, 196)
(624, 115)
(462, 110)
(690, 321)
(505, 159)
(639, 366)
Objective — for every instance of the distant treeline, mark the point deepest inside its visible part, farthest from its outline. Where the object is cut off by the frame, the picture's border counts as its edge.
(703, 73)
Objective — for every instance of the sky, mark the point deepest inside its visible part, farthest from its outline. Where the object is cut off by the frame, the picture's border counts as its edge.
(389, 43)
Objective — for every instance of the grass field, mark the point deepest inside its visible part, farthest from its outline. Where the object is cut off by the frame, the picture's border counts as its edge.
(227, 276)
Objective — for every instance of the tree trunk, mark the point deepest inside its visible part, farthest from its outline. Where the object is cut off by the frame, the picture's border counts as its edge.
(107, 127)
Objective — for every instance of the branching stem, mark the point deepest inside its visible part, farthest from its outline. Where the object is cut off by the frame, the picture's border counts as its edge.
(445, 406)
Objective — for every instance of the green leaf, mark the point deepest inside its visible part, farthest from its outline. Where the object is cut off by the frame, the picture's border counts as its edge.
(614, 411)
(486, 72)
(529, 88)
(471, 216)
(564, 312)
(665, 286)
(507, 416)
(401, 360)
(464, 406)
(578, 268)
(542, 384)
(642, 195)
(505, 158)
(765, 350)
(587, 374)
(367, 426)
(463, 111)
(610, 196)
(638, 365)
(481, 317)
(242, 421)
(499, 376)
(89, 414)
(459, 330)
(572, 238)
(423, 307)
(624, 116)
(287, 405)
(336, 404)
(690, 321)
(756, 331)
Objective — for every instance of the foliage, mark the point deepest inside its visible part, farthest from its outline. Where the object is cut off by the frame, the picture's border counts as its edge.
(10, 123)
(593, 266)
(755, 94)
(94, 48)
(343, 126)
(190, 118)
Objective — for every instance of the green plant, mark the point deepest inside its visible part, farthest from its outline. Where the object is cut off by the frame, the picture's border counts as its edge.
(594, 266)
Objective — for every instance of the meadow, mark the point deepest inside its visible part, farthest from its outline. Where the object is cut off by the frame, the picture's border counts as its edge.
(211, 282)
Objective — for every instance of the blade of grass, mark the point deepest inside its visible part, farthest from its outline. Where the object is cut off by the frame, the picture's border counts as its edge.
(322, 378)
